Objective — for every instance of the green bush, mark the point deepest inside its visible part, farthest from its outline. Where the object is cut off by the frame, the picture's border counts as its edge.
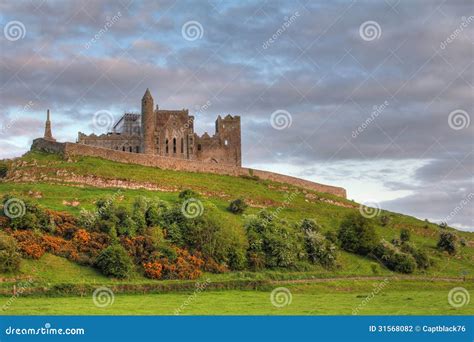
(421, 257)
(280, 243)
(187, 194)
(393, 258)
(448, 242)
(10, 258)
(309, 225)
(3, 170)
(114, 262)
(237, 206)
(30, 215)
(319, 250)
(357, 234)
(404, 235)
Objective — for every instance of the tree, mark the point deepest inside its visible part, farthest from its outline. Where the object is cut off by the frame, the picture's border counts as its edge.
(114, 261)
(357, 234)
(448, 242)
(10, 258)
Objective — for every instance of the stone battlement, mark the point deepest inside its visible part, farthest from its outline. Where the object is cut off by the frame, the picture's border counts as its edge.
(73, 149)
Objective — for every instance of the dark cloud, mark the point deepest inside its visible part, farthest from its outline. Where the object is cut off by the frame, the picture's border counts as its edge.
(318, 68)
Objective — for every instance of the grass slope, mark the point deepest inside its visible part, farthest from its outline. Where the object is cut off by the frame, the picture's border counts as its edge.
(332, 297)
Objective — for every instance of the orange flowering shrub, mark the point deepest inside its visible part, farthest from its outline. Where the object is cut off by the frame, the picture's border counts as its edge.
(210, 265)
(29, 243)
(153, 269)
(186, 266)
(81, 237)
(65, 223)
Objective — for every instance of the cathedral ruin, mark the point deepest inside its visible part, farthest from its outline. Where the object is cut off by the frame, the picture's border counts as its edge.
(170, 133)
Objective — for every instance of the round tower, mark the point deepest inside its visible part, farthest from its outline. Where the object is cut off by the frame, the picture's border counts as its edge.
(148, 123)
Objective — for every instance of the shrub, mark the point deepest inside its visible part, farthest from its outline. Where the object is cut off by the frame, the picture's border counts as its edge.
(384, 220)
(153, 269)
(421, 257)
(357, 234)
(309, 225)
(404, 235)
(319, 250)
(29, 244)
(3, 170)
(185, 266)
(187, 194)
(276, 239)
(237, 206)
(448, 242)
(10, 258)
(114, 261)
(393, 258)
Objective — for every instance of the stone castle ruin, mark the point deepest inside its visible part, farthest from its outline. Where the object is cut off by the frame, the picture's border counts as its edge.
(166, 139)
(170, 133)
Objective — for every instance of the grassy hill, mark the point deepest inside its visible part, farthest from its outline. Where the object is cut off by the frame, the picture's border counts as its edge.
(72, 185)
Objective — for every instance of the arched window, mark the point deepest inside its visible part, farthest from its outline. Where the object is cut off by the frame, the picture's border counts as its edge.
(226, 142)
(199, 147)
(137, 149)
(130, 149)
(166, 143)
(174, 145)
(123, 148)
(182, 145)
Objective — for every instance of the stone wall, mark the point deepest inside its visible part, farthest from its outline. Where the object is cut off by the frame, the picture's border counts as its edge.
(72, 149)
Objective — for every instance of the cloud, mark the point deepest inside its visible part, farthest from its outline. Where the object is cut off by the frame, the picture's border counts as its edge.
(318, 68)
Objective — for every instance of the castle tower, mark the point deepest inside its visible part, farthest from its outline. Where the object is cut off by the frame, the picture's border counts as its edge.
(47, 128)
(148, 123)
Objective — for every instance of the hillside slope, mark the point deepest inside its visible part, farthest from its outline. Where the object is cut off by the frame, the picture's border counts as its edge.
(75, 184)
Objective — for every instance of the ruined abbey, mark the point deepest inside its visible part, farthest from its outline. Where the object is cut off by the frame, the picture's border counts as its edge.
(166, 139)
(170, 133)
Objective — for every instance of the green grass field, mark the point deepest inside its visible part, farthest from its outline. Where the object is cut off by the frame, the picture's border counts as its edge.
(426, 292)
(328, 298)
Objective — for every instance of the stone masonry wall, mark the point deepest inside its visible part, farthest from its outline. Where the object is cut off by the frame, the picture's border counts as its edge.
(72, 149)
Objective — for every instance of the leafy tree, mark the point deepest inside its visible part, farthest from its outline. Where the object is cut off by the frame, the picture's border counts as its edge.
(319, 250)
(187, 194)
(393, 258)
(357, 234)
(114, 261)
(10, 258)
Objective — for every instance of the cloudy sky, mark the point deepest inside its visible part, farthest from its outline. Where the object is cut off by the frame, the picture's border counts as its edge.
(374, 96)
